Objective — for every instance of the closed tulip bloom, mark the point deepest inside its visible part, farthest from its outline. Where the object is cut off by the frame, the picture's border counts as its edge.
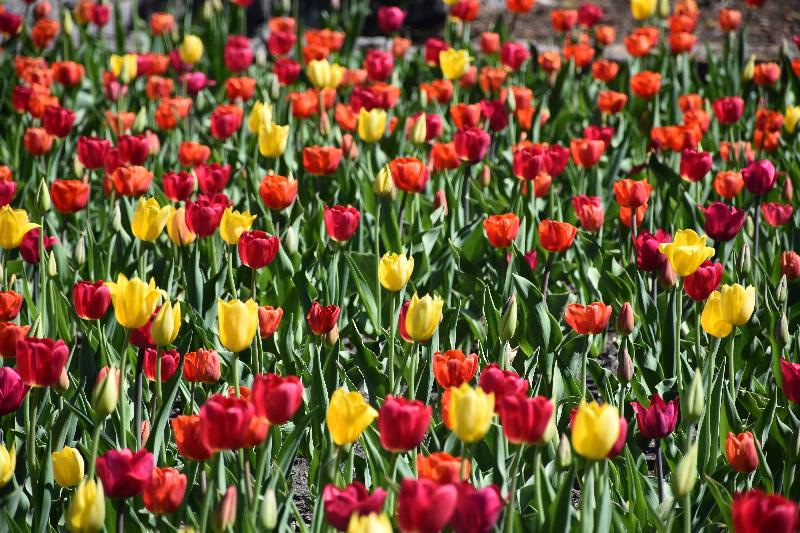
(588, 319)
(648, 256)
(124, 473)
(470, 412)
(501, 230)
(276, 398)
(12, 390)
(791, 118)
(723, 222)
(440, 467)
(257, 249)
(586, 152)
(321, 319)
(149, 219)
(589, 211)
(204, 216)
(225, 512)
(189, 438)
(408, 174)
(277, 192)
(658, 420)
(525, 420)
(423, 317)
(237, 322)
(225, 422)
(395, 270)
(354, 500)
(759, 176)
(178, 186)
(704, 281)
(632, 193)
(348, 416)
(201, 366)
(191, 49)
(166, 324)
(737, 303)
(454, 63)
(134, 302)
(323, 74)
(775, 214)
(87, 509)
(233, 223)
(595, 430)
(741, 452)
(164, 493)
(642, 9)
(13, 226)
(790, 380)
(213, 177)
(471, 143)
(272, 139)
(321, 160)
(269, 318)
(712, 320)
(556, 236)
(477, 510)
(105, 394)
(124, 67)
(686, 252)
(646, 84)
(67, 466)
(502, 384)
(424, 505)
(754, 511)
(402, 423)
(371, 124)
(69, 196)
(341, 222)
(369, 523)
(695, 164)
(452, 368)
(41, 361)
(177, 229)
(728, 109)
(790, 265)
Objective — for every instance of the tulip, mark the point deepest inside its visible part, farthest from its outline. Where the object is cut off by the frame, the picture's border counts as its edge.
(723, 222)
(178, 186)
(754, 511)
(384, 184)
(164, 493)
(556, 236)
(124, 67)
(589, 211)
(87, 510)
(642, 9)
(425, 506)
(595, 430)
(348, 416)
(190, 49)
(225, 422)
(257, 249)
(501, 230)
(149, 219)
(525, 420)
(269, 319)
(471, 144)
(704, 281)
(390, 19)
(189, 438)
(477, 510)
(233, 223)
(775, 214)
(441, 467)
(237, 322)
(67, 466)
(759, 176)
(452, 368)
(712, 319)
(741, 452)
(124, 473)
(321, 160)
(790, 265)
(631, 193)
(513, 55)
(29, 247)
(695, 164)
(370, 523)
(41, 361)
(586, 152)
(470, 412)
(277, 192)
(371, 124)
(12, 390)
(502, 384)
(791, 118)
(272, 139)
(321, 319)
(342, 505)
(13, 226)
(687, 252)
(645, 84)
(728, 109)
(423, 317)
(394, 271)
(225, 513)
(10, 305)
(341, 222)
(402, 423)
(201, 366)
(408, 174)
(737, 303)
(684, 476)
(648, 256)
(166, 324)
(588, 319)
(454, 63)
(323, 74)
(213, 178)
(658, 420)
(177, 229)
(134, 302)
(276, 398)
(105, 394)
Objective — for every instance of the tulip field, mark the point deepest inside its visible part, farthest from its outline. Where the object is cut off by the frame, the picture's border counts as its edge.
(305, 281)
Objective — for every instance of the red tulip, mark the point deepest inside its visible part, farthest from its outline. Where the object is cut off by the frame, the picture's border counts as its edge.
(703, 281)
(501, 230)
(452, 368)
(322, 319)
(556, 236)
(424, 505)
(91, 299)
(790, 380)
(790, 265)
(321, 160)
(529, 163)
(201, 366)
(728, 109)
(525, 420)
(755, 512)
(513, 54)
(759, 176)
(632, 193)
(125, 473)
(402, 423)
(269, 319)
(286, 70)
(409, 174)
(432, 48)
(189, 438)
(12, 390)
(741, 452)
(237, 54)
(276, 398)
(588, 319)
(378, 64)
(503, 383)
(341, 504)
(477, 510)
(648, 257)
(226, 120)
(40, 361)
(258, 249)
(69, 196)
(29, 247)
(178, 186)
(695, 164)
(776, 214)
(472, 143)
(10, 333)
(92, 151)
(204, 215)
(658, 420)
(10, 304)
(133, 149)
(390, 19)
(723, 222)
(225, 422)
(58, 121)
(589, 211)
(277, 192)
(164, 493)
(341, 222)
(620, 444)
(589, 14)
(37, 141)
(170, 361)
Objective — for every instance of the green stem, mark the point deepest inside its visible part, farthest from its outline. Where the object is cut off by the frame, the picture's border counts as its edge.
(98, 427)
(236, 373)
(731, 369)
(350, 460)
(585, 364)
(209, 493)
(512, 489)
(678, 321)
(231, 282)
(687, 515)
(537, 467)
(392, 330)
(101, 336)
(123, 400)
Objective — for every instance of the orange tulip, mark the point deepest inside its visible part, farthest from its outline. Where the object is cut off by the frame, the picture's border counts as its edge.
(646, 84)
(191, 154)
(631, 193)
(321, 160)
(611, 102)
(501, 230)
(37, 141)
(741, 452)
(728, 183)
(131, 181)
(441, 467)
(452, 368)
(556, 236)
(588, 319)
(444, 157)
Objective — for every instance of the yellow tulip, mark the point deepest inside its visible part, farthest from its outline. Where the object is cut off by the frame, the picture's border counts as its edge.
(394, 271)
(233, 224)
(791, 118)
(67, 466)
(348, 416)
(371, 124)
(712, 321)
(737, 303)
(454, 63)
(191, 49)
(179, 233)
(166, 324)
(13, 226)
(423, 317)
(260, 115)
(134, 302)
(686, 252)
(371, 523)
(87, 510)
(272, 139)
(8, 462)
(149, 219)
(124, 67)
(420, 130)
(238, 323)
(471, 412)
(642, 9)
(595, 430)
(323, 74)
(384, 186)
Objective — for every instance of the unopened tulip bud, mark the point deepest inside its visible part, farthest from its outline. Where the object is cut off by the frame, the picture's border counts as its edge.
(685, 476)
(69, 26)
(511, 101)
(332, 337)
(261, 60)
(695, 401)
(225, 513)
(782, 290)
(509, 354)
(440, 200)
(106, 392)
(290, 241)
(787, 194)
(79, 253)
(743, 265)
(782, 330)
(486, 176)
(384, 185)
(268, 514)
(624, 365)
(77, 166)
(208, 10)
(749, 226)
(625, 321)
(63, 382)
(663, 8)
(145, 431)
(508, 322)
(52, 266)
(116, 218)
(324, 124)
(667, 276)
(140, 122)
(420, 130)
(423, 99)
(564, 452)
(43, 197)
(218, 7)
(749, 69)
(550, 434)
